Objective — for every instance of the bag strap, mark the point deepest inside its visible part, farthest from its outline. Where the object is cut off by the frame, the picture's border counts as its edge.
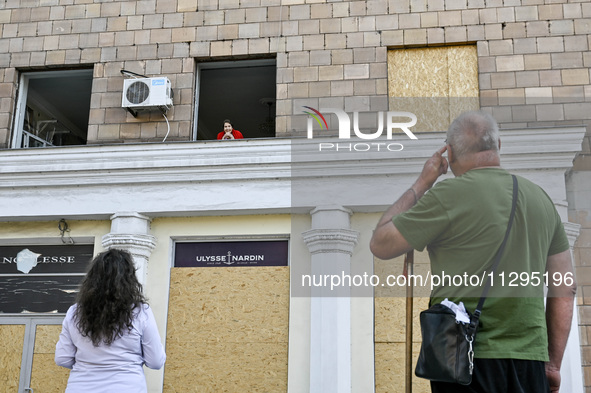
(476, 315)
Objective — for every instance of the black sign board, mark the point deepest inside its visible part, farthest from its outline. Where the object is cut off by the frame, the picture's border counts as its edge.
(62, 259)
(232, 253)
(41, 278)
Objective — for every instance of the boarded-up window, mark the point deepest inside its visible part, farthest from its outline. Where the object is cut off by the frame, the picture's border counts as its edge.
(436, 84)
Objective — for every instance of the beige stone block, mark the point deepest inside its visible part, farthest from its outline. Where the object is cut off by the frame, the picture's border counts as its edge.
(488, 15)
(550, 78)
(371, 39)
(500, 47)
(506, 14)
(537, 62)
(415, 37)
(411, 21)
(186, 5)
(526, 13)
(551, 112)
(514, 30)
(330, 26)
(393, 38)
(537, 28)
(221, 48)
(578, 111)
(5, 15)
(538, 95)
(436, 5)
(583, 26)
(487, 64)
(319, 89)
(418, 6)
(488, 98)
(356, 71)
(186, 34)
(455, 34)
(550, 44)
(503, 80)
(525, 46)
(335, 41)
(305, 74)
(341, 88)
(368, 23)
(575, 43)
(297, 90)
(567, 60)
(429, 19)
(470, 17)
(511, 96)
(562, 27)
(108, 131)
(572, 11)
(354, 40)
(493, 31)
(550, 11)
(575, 76)
(450, 18)
(377, 7)
(510, 63)
(314, 42)
(475, 33)
(435, 35)
(527, 79)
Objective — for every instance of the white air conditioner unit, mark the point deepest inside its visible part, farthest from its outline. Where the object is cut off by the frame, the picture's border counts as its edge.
(147, 93)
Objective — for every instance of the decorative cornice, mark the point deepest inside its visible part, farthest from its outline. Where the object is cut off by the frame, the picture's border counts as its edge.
(331, 240)
(244, 176)
(573, 231)
(138, 245)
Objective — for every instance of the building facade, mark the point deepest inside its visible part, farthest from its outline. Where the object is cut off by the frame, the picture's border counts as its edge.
(88, 162)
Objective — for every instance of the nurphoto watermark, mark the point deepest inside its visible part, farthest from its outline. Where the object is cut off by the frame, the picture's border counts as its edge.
(346, 132)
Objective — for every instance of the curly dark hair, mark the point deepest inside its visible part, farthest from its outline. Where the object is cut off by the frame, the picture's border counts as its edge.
(108, 296)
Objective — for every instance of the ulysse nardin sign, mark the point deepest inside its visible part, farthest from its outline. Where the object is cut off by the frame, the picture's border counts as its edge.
(232, 253)
(41, 278)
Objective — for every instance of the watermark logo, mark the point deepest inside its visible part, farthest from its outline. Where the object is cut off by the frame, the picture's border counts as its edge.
(345, 123)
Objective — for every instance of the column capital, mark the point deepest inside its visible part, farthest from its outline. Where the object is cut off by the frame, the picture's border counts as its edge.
(130, 231)
(331, 240)
(573, 231)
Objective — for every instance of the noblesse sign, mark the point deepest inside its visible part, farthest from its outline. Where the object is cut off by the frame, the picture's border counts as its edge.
(41, 278)
(235, 253)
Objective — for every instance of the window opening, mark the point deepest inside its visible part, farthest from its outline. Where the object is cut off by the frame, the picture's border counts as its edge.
(53, 108)
(241, 91)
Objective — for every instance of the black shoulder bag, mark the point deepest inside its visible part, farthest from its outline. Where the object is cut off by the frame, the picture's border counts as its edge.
(447, 353)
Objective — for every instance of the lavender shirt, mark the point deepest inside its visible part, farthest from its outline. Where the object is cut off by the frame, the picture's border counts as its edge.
(110, 368)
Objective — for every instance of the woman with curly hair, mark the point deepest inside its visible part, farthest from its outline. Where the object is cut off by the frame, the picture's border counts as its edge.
(110, 333)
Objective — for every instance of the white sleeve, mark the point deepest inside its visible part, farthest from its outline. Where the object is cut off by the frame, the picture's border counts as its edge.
(152, 348)
(65, 350)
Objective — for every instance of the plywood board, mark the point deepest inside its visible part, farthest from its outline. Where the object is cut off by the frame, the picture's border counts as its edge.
(436, 84)
(47, 376)
(228, 329)
(391, 324)
(390, 369)
(11, 341)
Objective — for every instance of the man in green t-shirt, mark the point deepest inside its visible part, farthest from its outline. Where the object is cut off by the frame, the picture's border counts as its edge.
(461, 221)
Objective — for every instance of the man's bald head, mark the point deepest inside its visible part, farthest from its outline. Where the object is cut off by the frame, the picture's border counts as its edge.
(473, 132)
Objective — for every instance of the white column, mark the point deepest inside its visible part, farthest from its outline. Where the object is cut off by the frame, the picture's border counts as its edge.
(130, 231)
(572, 369)
(331, 243)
